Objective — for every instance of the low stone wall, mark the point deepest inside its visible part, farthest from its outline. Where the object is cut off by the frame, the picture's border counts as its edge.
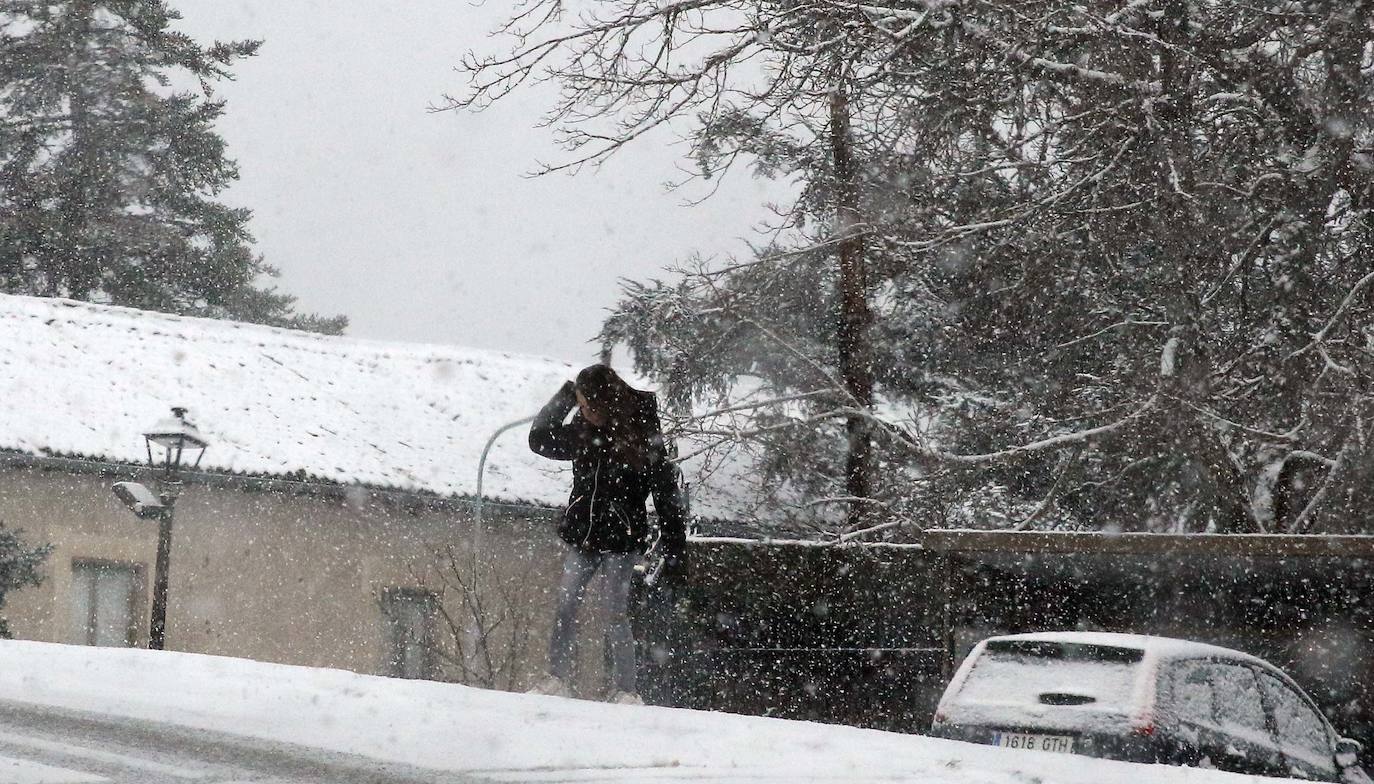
(858, 635)
(838, 635)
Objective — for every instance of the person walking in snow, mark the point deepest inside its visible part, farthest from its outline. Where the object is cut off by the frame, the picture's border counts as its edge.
(616, 446)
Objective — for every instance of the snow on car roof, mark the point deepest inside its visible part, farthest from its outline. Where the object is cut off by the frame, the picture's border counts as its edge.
(86, 380)
(1156, 647)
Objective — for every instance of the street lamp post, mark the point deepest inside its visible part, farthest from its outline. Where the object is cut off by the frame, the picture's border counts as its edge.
(476, 631)
(172, 437)
(477, 531)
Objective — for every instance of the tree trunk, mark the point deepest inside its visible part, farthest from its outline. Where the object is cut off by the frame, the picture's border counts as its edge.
(71, 274)
(1186, 376)
(855, 354)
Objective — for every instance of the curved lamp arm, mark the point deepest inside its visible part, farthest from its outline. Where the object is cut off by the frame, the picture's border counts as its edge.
(481, 470)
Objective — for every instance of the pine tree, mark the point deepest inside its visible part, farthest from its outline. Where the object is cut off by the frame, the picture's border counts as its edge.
(739, 72)
(110, 167)
(1121, 274)
(1167, 297)
(20, 565)
(1064, 265)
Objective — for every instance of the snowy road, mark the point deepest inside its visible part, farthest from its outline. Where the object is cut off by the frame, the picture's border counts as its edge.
(42, 746)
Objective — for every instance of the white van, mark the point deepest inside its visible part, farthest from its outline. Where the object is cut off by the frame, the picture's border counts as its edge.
(1142, 699)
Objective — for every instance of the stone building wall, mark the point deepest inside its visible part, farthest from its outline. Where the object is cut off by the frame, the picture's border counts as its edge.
(302, 577)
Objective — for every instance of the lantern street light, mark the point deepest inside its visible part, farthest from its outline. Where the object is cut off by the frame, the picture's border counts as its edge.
(169, 443)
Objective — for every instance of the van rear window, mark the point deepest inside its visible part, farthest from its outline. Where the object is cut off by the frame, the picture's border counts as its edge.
(1066, 651)
(1036, 673)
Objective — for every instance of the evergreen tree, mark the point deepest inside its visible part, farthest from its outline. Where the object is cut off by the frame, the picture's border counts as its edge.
(110, 167)
(1168, 296)
(1123, 273)
(795, 86)
(1066, 265)
(20, 565)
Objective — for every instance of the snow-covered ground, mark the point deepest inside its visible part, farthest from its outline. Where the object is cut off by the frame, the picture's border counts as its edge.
(513, 737)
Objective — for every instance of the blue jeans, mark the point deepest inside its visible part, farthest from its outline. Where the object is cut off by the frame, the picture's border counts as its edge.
(578, 570)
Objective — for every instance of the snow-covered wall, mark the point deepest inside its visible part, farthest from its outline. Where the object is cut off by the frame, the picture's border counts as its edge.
(86, 380)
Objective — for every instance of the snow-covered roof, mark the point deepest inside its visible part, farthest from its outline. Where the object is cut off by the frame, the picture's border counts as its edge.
(87, 380)
(1152, 646)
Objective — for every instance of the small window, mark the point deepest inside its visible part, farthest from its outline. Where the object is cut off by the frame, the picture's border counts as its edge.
(1192, 691)
(1239, 706)
(1044, 650)
(1301, 730)
(103, 603)
(410, 617)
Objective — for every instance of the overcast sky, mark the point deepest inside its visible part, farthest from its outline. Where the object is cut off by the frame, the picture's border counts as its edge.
(421, 226)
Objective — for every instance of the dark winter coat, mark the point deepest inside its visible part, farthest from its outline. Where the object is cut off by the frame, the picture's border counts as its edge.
(605, 511)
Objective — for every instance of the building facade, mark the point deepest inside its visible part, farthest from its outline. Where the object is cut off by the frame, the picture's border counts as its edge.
(331, 523)
(375, 583)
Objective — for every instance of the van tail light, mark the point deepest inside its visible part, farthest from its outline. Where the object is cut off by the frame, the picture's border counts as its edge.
(1145, 729)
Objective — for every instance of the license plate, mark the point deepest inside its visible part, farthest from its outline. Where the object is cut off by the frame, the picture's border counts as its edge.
(1023, 740)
